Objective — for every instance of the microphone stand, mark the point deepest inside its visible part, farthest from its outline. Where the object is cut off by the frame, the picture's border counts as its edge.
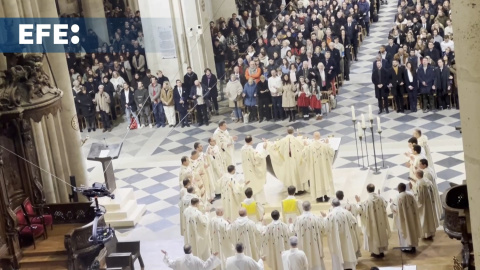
(374, 152)
(356, 142)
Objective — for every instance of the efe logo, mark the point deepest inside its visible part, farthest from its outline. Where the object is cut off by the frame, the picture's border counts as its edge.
(26, 32)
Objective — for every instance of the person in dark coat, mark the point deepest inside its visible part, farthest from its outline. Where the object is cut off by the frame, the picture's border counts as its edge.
(86, 108)
(127, 101)
(411, 85)
(180, 97)
(92, 87)
(110, 90)
(379, 58)
(161, 78)
(209, 80)
(432, 52)
(330, 67)
(380, 79)
(426, 83)
(189, 78)
(264, 99)
(442, 84)
(397, 84)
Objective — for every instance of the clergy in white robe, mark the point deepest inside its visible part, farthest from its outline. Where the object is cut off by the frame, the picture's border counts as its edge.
(415, 158)
(286, 156)
(291, 207)
(343, 237)
(198, 175)
(225, 142)
(375, 224)
(220, 237)
(310, 230)
(429, 174)
(254, 167)
(423, 142)
(241, 261)
(189, 262)
(196, 232)
(427, 211)
(406, 218)
(255, 210)
(184, 203)
(294, 258)
(219, 167)
(275, 241)
(207, 170)
(245, 231)
(186, 184)
(232, 192)
(318, 157)
(185, 170)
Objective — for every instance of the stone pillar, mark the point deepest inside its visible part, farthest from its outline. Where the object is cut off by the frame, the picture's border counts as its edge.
(93, 9)
(133, 5)
(43, 162)
(51, 162)
(27, 8)
(8, 9)
(223, 8)
(69, 124)
(466, 15)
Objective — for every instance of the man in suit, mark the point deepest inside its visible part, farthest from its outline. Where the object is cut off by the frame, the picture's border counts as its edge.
(397, 84)
(380, 81)
(200, 94)
(442, 84)
(209, 80)
(335, 54)
(180, 97)
(391, 50)
(330, 67)
(379, 58)
(352, 34)
(189, 78)
(426, 82)
(433, 53)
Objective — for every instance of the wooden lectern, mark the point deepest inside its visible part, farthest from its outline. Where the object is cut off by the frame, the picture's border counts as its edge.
(105, 154)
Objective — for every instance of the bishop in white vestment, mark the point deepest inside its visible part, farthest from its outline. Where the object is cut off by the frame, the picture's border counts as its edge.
(406, 218)
(232, 192)
(184, 203)
(275, 241)
(375, 224)
(220, 237)
(196, 232)
(254, 167)
(241, 261)
(185, 170)
(423, 142)
(189, 262)
(219, 167)
(225, 142)
(424, 193)
(207, 176)
(245, 231)
(294, 258)
(430, 175)
(343, 237)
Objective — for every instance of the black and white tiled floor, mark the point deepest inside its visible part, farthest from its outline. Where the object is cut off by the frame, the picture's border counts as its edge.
(150, 158)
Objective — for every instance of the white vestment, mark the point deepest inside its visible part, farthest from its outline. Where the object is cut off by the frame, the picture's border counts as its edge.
(184, 204)
(198, 178)
(242, 262)
(294, 259)
(429, 174)
(427, 211)
(310, 230)
(343, 238)
(245, 231)
(233, 193)
(414, 164)
(286, 156)
(259, 210)
(185, 172)
(318, 157)
(189, 262)
(254, 168)
(375, 224)
(225, 143)
(275, 241)
(407, 220)
(218, 166)
(196, 232)
(220, 238)
(423, 142)
(201, 168)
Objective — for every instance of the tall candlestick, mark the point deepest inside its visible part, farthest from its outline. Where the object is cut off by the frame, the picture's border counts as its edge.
(359, 129)
(363, 121)
(353, 113)
(371, 124)
(370, 116)
(379, 127)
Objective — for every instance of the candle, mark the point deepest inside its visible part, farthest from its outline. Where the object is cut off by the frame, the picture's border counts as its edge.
(359, 129)
(363, 121)
(370, 124)
(353, 113)
(379, 127)
(370, 116)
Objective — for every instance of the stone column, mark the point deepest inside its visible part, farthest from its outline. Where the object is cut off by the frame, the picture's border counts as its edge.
(466, 15)
(69, 125)
(43, 162)
(223, 8)
(51, 162)
(8, 9)
(27, 8)
(93, 10)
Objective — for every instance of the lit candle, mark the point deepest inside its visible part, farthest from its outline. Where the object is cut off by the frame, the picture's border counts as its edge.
(379, 127)
(370, 116)
(353, 113)
(359, 129)
(363, 121)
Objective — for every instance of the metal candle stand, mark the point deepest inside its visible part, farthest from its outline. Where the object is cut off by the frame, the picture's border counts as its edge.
(381, 148)
(374, 152)
(356, 143)
(366, 145)
(361, 147)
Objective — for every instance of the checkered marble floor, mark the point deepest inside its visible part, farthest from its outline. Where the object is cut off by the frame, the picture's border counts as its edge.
(150, 158)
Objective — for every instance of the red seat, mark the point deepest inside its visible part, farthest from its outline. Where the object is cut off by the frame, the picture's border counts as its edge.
(45, 220)
(26, 229)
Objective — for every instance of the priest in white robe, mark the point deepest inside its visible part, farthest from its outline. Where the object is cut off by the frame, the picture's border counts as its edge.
(198, 176)
(286, 156)
(232, 192)
(255, 210)
(406, 218)
(189, 262)
(424, 193)
(240, 261)
(184, 203)
(196, 232)
(207, 170)
(318, 157)
(429, 174)
(375, 224)
(310, 230)
(422, 140)
(245, 231)
(255, 168)
(219, 167)
(185, 170)
(225, 142)
(343, 237)
(275, 241)
(294, 258)
(220, 237)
